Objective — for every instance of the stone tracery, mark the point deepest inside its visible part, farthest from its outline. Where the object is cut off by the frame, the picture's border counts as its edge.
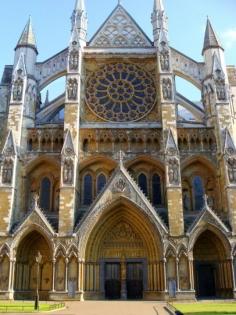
(120, 92)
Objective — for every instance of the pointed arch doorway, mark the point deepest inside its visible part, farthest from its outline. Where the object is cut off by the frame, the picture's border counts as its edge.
(213, 270)
(26, 267)
(123, 256)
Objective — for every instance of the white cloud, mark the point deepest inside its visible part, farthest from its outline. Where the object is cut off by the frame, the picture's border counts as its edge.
(229, 37)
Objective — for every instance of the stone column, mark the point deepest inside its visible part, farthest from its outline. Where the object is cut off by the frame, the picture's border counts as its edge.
(53, 274)
(66, 275)
(123, 279)
(177, 274)
(164, 275)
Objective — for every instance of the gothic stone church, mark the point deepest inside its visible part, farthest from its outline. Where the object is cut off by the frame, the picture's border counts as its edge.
(123, 195)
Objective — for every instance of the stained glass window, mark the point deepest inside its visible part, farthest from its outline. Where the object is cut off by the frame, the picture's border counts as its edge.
(142, 181)
(198, 193)
(45, 194)
(88, 189)
(101, 182)
(156, 190)
(120, 92)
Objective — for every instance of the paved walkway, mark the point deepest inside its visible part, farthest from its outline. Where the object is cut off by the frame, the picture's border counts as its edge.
(113, 308)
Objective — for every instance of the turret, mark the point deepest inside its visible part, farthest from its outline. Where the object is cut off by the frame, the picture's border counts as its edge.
(27, 46)
(159, 20)
(212, 46)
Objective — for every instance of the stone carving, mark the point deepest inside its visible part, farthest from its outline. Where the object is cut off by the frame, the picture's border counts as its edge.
(122, 233)
(18, 90)
(7, 171)
(165, 61)
(167, 89)
(120, 31)
(220, 89)
(231, 164)
(74, 60)
(164, 57)
(72, 89)
(68, 170)
(120, 185)
(173, 171)
(120, 92)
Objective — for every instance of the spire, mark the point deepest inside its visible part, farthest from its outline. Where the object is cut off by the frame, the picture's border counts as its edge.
(27, 38)
(46, 102)
(159, 20)
(80, 6)
(158, 6)
(211, 40)
(79, 20)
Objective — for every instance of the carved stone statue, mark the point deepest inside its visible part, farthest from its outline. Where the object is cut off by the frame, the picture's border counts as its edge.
(232, 170)
(7, 171)
(165, 60)
(220, 90)
(173, 171)
(72, 89)
(167, 89)
(74, 60)
(18, 90)
(68, 172)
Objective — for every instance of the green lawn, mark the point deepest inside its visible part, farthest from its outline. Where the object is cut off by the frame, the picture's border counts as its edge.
(27, 307)
(206, 308)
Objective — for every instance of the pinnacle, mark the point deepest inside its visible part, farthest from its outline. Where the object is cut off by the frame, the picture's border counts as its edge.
(80, 5)
(27, 37)
(211, 40)
(158, 5)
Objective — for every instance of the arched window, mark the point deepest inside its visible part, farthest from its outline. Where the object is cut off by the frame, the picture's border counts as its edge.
(101, 182)
(88, 189)
(142, 181)
(156, 190)
(198, 193)
(45, 194)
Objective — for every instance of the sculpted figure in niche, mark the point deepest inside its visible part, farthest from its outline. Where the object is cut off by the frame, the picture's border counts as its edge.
(68, 172)
(173, 171)
(164, 59)
(167, 89)
(220, 90)
(72, 89)
(232, 170)
(18, 90)
(7, 171)
(74, 60)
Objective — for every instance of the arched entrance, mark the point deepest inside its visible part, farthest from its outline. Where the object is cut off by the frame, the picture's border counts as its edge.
(26, 267)
(123, 257)
(213, 270)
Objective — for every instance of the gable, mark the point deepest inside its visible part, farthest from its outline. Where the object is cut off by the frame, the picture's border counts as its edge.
(120, 30)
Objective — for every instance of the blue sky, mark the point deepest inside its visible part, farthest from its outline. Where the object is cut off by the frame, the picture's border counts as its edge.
(51, 21)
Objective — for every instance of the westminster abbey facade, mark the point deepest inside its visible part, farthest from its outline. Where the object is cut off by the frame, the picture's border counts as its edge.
(122, 194)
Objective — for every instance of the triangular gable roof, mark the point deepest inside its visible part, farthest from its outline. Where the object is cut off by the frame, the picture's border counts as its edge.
(229, 146)
(120, 30)
(68, 146)
(35, 216)
(120, 185)
(9, 146)
(171, 145)
(207, 215)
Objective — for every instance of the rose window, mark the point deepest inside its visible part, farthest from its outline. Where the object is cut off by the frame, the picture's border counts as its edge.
(120, 92)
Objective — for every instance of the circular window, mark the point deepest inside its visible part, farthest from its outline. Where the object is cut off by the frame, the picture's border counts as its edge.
(120, 92)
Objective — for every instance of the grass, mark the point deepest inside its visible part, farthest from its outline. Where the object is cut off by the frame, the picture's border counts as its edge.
(28, 307)
(207, 308)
